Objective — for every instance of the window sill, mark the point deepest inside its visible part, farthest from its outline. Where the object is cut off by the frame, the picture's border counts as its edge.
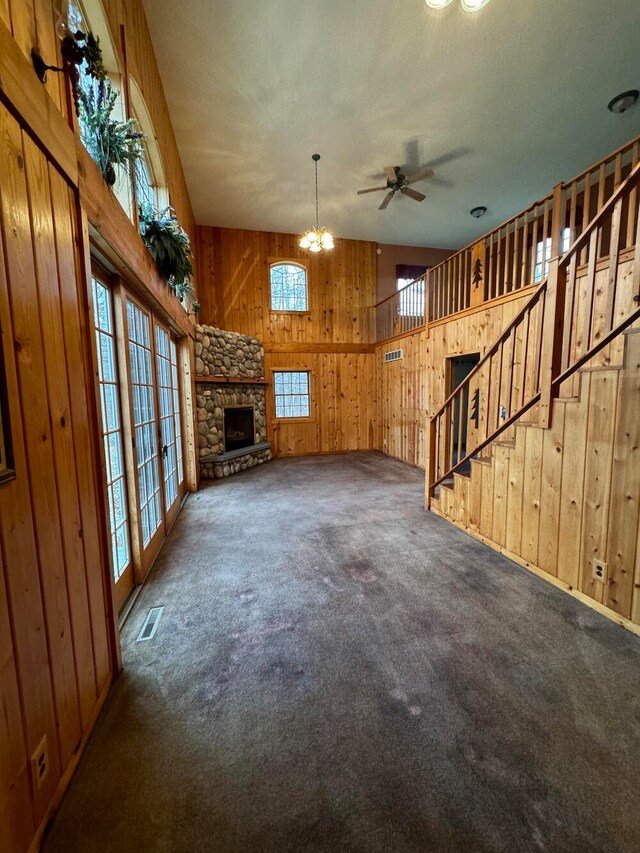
(309, 420)
(297, 313)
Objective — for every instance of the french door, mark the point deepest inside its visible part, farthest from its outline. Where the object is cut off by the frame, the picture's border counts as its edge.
(112, 435)
(142, 429)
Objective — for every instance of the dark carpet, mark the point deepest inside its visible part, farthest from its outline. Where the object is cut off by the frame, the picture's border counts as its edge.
(338, 670)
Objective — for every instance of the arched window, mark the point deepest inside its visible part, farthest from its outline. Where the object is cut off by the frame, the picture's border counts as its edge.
(89, 15)
(151, 187)
(288, 286)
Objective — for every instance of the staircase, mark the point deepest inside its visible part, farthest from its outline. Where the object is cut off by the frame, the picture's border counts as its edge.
(531, 442)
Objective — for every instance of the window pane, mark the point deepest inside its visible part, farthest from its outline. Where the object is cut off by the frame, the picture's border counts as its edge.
(138, 323)
(291, 389)
(288, 287)
(111, 428)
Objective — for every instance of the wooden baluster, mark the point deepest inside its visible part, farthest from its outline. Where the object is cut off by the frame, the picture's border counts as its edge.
(573, 204)
(612, 281)
(602, 178)
(534, 246)
(511, 372)
(589, 291)
(499, 385)
(570, 299)
(451, 435)
(525, 355)
(523, 260)
(546, 224)
(632, 201)
(515, 272)
(506, 285)
(461, 423)
(586, 215)
(635, 280)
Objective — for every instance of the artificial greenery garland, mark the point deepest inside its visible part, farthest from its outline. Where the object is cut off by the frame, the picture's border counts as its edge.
(108, 141)
(170, 247)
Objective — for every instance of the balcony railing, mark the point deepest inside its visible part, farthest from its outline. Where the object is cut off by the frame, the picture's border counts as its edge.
(403, 311)
(515, 255)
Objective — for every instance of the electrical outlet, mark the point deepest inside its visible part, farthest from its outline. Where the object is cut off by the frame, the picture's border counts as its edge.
(40, 764)
(600, 571)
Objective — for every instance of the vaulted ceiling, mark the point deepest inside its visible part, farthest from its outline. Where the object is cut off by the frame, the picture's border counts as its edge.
(501, 103)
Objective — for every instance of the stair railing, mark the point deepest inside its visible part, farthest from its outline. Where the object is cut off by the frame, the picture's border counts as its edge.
(573, 314)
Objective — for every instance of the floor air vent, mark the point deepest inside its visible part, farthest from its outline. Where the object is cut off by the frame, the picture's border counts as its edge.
(150, 626)
(394, 355)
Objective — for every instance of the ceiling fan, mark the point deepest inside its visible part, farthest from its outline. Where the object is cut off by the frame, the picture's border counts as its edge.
(398, 182)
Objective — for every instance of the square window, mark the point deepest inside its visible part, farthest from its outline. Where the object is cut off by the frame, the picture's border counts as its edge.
(292, 397)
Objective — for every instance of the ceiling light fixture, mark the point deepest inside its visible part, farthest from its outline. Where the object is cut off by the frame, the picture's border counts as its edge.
(622, 102)
(477, 212)
(316, 239)
(473, 5)
(467, 5)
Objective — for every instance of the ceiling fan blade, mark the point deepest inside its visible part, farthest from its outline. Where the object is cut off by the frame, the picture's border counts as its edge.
(387, 199)
(372, 190)
(390, 172)
(420, 176)
(413, 194)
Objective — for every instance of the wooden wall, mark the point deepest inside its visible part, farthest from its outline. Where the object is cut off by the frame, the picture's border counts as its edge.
(57, 664)
(410, 390)
(59, 648)
(332, 340)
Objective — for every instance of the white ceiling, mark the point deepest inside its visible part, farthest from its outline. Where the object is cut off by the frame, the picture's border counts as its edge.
(502, 104)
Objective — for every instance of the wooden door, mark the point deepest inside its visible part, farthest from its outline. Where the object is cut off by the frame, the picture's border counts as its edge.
(170, 430)
(112, 437)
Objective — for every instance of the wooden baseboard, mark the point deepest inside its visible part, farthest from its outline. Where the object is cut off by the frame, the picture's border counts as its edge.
(66, 777)
(585, 599)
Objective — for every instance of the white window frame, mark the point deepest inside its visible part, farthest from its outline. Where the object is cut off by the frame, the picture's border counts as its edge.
(283, 308)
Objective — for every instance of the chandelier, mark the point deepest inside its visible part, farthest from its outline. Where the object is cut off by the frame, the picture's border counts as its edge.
(316, 239)
(467, 5)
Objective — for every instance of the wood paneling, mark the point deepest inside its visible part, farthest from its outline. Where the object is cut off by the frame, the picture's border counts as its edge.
(411, 389)
(235, 293)
(343, 408)
(54, 561)
(332, 340)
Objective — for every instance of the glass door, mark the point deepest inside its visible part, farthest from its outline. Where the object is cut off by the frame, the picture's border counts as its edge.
(170, 424)
(112, 435)
(145, 432)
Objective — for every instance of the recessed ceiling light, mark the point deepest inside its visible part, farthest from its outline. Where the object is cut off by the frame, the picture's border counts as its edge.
(473, 5)
(621, 103)
(437, 4)
(477, 212)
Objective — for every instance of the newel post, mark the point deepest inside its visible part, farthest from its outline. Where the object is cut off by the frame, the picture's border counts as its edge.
(552, 326)
(431, 461)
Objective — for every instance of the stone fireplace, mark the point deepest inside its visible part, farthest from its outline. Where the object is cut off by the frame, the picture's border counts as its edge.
(230, 399)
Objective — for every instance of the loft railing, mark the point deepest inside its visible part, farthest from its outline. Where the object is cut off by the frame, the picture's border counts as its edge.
(516, 255)
(572, 315)
(403, 311)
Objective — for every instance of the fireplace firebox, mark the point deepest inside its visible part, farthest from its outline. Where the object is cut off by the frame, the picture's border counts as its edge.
(238, 427)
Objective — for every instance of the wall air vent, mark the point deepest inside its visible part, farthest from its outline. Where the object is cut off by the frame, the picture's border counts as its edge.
(148, 630)
(394, 355)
